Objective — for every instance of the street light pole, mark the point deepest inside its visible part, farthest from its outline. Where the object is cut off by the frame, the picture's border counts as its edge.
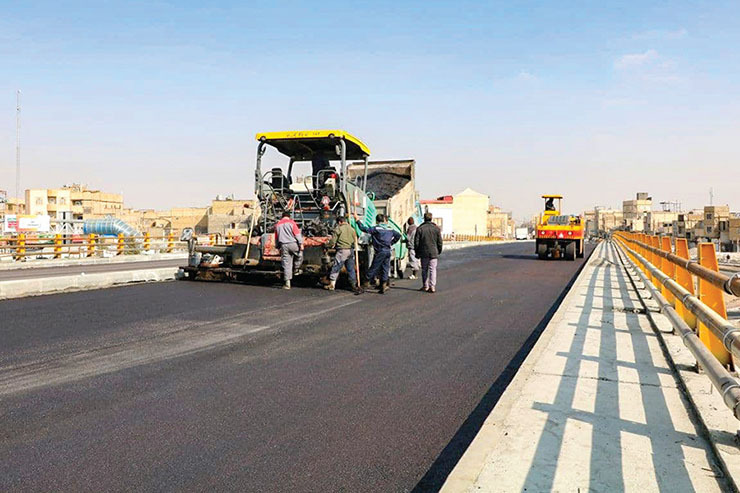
(18, 144)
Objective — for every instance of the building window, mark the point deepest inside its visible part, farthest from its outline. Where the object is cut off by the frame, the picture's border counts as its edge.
(62, 201)
(709, 229)
(39, 201)
(438, 221)
(709, 216)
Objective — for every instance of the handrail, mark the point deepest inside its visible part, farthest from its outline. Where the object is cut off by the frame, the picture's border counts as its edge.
(722, 380)
(729, 284)
(720, 327)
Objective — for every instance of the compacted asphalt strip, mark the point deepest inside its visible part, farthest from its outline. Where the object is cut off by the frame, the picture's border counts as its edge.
(235, 387)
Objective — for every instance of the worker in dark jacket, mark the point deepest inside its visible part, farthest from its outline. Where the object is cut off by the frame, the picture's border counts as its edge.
(428, 246)
(413, 259)
(384, 237)
(343, 239)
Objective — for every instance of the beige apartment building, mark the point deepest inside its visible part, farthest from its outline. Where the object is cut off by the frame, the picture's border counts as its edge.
(72, 202)
(683, 226)
(634, 211)
(660, 222)
(716, 219)
(466, 213)
(608, 219)
(499, 224)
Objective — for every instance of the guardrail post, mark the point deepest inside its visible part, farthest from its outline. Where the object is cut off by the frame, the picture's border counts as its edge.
(656, 259)
(91, 244)
(147, 242)
(170, 242)
(119, 244)
(683, 278)
(20, 247)
(668, 268)
(714, 298)
(57, 245)
(229, 239)
(211, 240)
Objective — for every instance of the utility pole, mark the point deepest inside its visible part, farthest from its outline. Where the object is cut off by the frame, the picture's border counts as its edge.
(18, 144)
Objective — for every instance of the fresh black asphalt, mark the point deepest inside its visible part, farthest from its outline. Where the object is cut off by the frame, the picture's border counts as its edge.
(193, 386)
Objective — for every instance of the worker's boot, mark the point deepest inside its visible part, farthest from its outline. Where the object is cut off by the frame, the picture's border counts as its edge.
(383, 287)
(331, 286)
(356, 289)
(287, 284)
(365, 284)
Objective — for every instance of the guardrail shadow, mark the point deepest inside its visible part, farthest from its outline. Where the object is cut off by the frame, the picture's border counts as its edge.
(612, 433)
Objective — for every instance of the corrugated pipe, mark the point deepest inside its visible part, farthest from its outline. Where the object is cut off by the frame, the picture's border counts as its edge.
(725, 383)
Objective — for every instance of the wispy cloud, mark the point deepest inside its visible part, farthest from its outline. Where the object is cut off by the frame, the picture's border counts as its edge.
(525, 76)
(633, 60)
(659, 34)
(648, 66)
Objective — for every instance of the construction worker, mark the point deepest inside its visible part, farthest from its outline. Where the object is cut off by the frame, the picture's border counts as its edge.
(289, 240)
(383, 239)
(343, 239)
(428, 246)
(413, 261)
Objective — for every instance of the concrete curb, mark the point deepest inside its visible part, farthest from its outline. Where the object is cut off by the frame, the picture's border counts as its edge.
(714, 418)
(81, 282)
(467, 470)
(36, 264)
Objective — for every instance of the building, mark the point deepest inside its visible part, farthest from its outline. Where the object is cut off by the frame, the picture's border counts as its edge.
(589, 222)
(93, 204)
(608, 219)
(716, 219)
(734, 233)
(470, 209)
(466, 213)
(683, 226)
(230, 216)
(442, 212)
(72, 202)
(499, 223)
(634, 211)
(659, 222)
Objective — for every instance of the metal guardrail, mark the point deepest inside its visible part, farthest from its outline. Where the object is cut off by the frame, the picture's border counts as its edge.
(701, 318)
(471, 238)
(24, 246)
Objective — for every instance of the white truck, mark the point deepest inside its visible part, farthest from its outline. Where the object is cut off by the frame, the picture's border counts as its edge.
(521, 233)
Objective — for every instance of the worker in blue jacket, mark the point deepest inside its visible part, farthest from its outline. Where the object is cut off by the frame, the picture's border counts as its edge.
(384, 237)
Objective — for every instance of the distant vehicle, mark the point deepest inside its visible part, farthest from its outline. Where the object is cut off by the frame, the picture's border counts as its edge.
(521, 233)
(558, 235)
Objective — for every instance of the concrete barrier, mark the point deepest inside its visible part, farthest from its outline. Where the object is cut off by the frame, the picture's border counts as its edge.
(81, 282)
(64, 262)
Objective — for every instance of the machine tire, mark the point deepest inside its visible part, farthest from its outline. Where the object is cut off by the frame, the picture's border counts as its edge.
(570, 251)
(580, 251)
(542, 251)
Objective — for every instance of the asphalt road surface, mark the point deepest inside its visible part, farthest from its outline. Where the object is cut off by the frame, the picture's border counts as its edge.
(70, 270)
(231, 387)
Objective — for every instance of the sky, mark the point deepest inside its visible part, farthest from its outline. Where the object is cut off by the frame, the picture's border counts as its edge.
(595, 100)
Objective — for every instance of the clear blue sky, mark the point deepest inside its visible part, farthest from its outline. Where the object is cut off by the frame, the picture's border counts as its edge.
(161, 100)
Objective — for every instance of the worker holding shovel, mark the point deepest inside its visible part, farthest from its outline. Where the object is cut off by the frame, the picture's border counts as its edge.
(343, 239)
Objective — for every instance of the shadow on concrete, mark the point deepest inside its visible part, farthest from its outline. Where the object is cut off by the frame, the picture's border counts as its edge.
(446, 461)
(606, 468)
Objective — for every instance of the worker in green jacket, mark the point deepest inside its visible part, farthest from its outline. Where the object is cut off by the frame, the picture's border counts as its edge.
(343, 239)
